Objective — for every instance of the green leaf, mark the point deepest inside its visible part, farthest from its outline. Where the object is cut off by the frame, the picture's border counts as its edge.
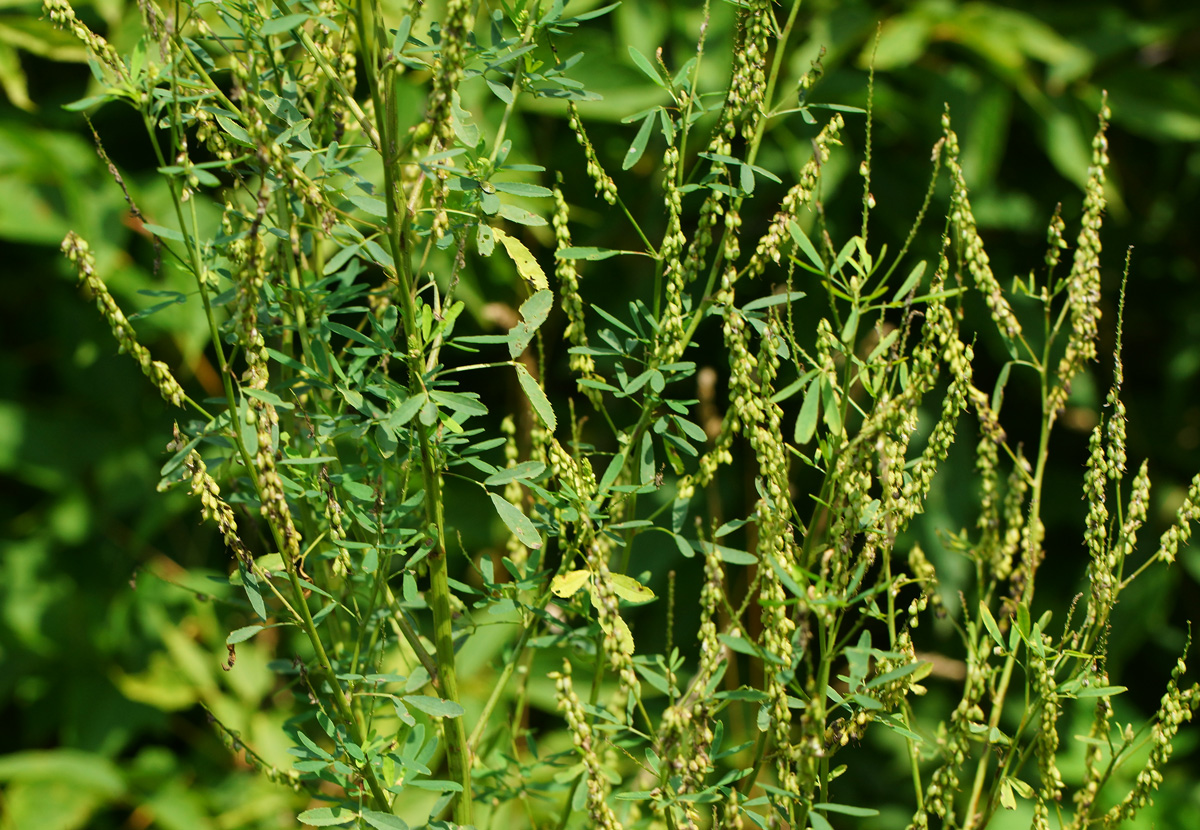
(646, 459)
(401, 37)
(163, 233)
(541, 404)
(634, 154)
(501, 91)
(1100, 691)
(533, 312)
(527, 266)
(833, 412)
(368, 204)
(802, 241)
(591, 254)
(349, 333)
(460, 122)
(242, 634)
(806, 421)
(685, 546)
(989, 623)
(326, 816)
(910, 283)
(533, 191)
(846, 809)
(524, 470)
(434, 706)
(383, 821)
(283, 24)
(648, 69)
(774, 299)
(517, 522)
(267, 397)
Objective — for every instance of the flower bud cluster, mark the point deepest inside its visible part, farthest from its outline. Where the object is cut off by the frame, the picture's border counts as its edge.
(967, 236)
(63, 15)
(618, 640)
(1083, 283)
(670, 339)
(1095, 770)
(212, 506)
(744, 101)
(1054, 237)
(514, 494)
(605, 186)
(1178, 534)
(958, 357)
(601, 815)
(77, 251)
(1014, 517)
(448, 69)
(1177, 707)
(1045, 690)
(772, 244)
(582, 365)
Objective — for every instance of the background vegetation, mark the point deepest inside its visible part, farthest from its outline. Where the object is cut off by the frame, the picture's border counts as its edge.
(109, 652)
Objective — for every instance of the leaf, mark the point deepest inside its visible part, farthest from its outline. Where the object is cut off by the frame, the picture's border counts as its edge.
(326, 816)
(806, 421)
(591, 254)
(527, 266)
(568, 584)
(460, 122)
(349, 333)
(1100, 691)
(434, 706)
(815, 820)
(911, 282)
(646, 459)
(517, 522)
(846, 809)
(634, 154)
(802, 241)
(533, 312)
(242, 634)
(541, 404)
(533, 191)
(526, 470)
(383, 821)
(648, 69)
(501, 91)
(774, 299)
(402, 31)
(989, 623)
(368, 204)
(1007, 799)
(283, 24)
(629, 589)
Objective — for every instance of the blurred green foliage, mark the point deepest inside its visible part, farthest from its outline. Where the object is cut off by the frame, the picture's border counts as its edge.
(111, 632)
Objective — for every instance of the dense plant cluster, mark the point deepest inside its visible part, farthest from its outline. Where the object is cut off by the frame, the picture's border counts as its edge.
(334, 172)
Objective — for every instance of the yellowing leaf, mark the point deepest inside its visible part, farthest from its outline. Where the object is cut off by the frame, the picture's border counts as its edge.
(628, 588)
(566, 585)
(614, 625)
(527, 266)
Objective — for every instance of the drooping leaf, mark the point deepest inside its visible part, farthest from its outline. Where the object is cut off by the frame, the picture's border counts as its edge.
(533, 312)
(568, 584)
(434, 706)
(326, 816)
(517, 522)
(527, 265)
(541, 404)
